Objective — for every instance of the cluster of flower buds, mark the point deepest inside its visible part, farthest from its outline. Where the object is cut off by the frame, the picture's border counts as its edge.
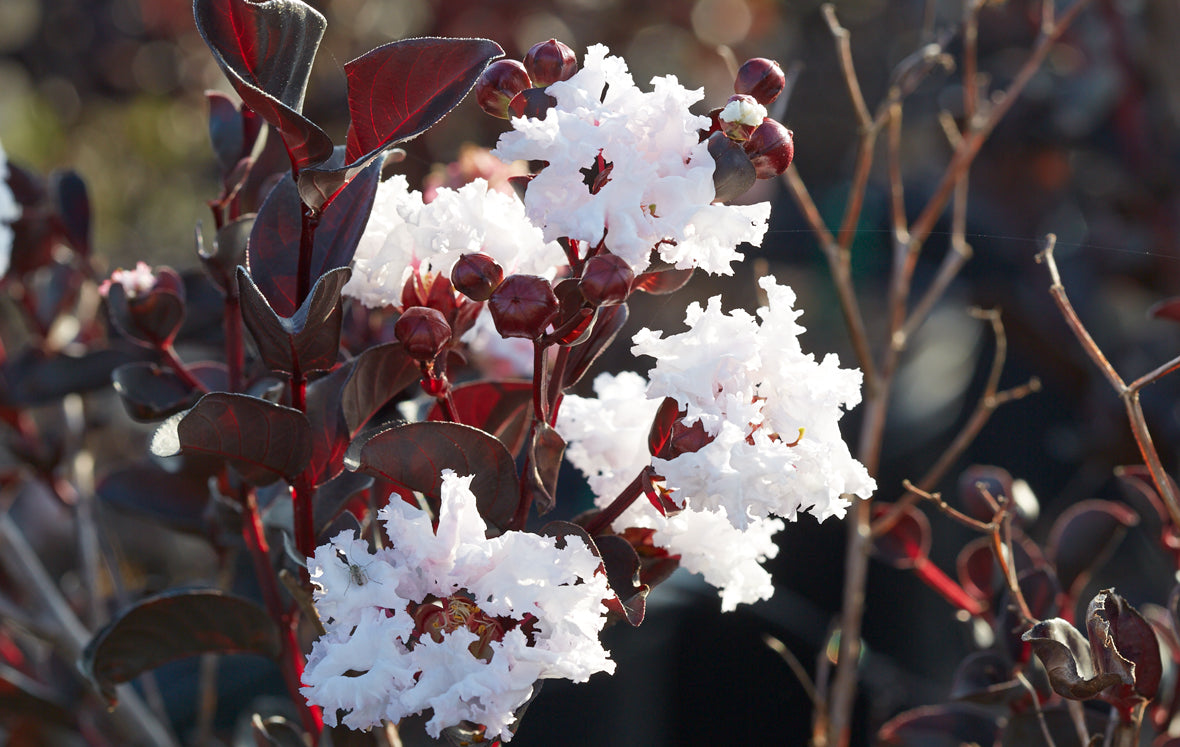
(743, 119)
(511, 88)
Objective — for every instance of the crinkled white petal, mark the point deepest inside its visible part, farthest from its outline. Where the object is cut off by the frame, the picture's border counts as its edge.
(744, 112)
(659, 191)
(363, 665)
(10, 211)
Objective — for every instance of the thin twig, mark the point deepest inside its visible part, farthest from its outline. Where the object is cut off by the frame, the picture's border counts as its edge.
(946, 508)
(793, 662)
(1036, 704)
(844, 50)
(901, 228)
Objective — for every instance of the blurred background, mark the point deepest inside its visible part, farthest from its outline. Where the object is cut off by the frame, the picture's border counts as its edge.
(115, 90)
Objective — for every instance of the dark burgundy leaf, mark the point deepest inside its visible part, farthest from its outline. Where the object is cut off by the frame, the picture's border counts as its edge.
(1040, 589)
(734, 172)
(344, 219)
(335, 496)
(977, 570)
(1083, 537)
(1119, 635)
(151, 319)
(24, 697)
(33, 377)
(1138, 484)
(263, 441)
(545, 451)
(400, 89)
(1066, 657)
(329, 432)
(1168, 309)
(307, 341)
(175, 625)
(906, 541)
(661, 427)
(73, 209)
(502, 408)
(972, 483)
(226, 130)
(607, 324)
(622, 573)
(177, 500)
(266, 51)
(414, 455)
(986, 677)
(272, 255)
(949, 725)
(229, 251)
(379, 374)
(661, 282)
(151, 393)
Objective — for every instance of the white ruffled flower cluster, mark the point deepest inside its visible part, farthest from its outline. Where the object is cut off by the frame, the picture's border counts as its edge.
(405, 234)
(659, 191)
(607, 441)
(10, 211)
(450, 621)
(772, 410)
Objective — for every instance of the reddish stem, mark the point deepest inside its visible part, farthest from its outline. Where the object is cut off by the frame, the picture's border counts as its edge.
(933, 577)
(235, 354)
(603, 520)
(177, 365)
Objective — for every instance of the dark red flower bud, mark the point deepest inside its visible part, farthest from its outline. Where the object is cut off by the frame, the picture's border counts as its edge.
(761, 78)
(745, 113)
(423, 332)
(500, 83)
(771, 147)
(549, 62)
(606, 280)
(523, 306)
(531, 102)
(476, 275)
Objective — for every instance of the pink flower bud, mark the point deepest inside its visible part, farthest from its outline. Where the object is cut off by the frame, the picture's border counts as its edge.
(499, 84)
(761, 78)
(476, 275)
(740, 116)
(606, 280)
(549, 62)
(771, 147)
(422, 332)
(523, 306)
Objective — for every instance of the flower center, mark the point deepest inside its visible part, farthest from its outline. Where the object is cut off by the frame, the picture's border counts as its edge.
(436, 619)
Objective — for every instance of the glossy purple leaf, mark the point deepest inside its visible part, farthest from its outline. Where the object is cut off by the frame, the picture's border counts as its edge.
(150, 393)
(33, 377)
(502, 408)
(335, 496)
(344, 219)
(1083, 537)
(546, 448)
(262, 440)
(400, 89)
(977, 570)
(972, 483)
(1066, 656)
(906, 541)
(175, 625)
(414, 455)
(174, 499)
(1040, 589)
(607, 324)
(329, 432)
(948, 725)
(228, 251)
(379, 374)
(266, 51)
(73, 208)
(227, 131)
(734, 173)
(661, 282)
(308, 340)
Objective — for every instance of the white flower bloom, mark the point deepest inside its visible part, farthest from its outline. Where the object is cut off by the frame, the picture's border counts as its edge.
(135, 282)
(773, 412)
(658, 192)
(743, 112)
(448, 620)
(10, 211)
(405, 235)
(607, 440)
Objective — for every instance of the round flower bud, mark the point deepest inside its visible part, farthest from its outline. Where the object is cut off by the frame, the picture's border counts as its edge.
(531, 102)
(500, 82)
(549, 62)
(771, 147)
(761, 78)
(476, 275)
(606, 280)
(523, 306)
(740, 116)
(423, 332)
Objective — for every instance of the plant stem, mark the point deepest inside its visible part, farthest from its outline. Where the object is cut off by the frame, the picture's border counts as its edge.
(606, 517)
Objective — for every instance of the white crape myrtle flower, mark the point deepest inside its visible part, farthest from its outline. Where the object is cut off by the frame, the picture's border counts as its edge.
(10, 211)
(658, 192)
(773, 412)
(447, 620)
(607, 440)
(743, 112)
(405, 234)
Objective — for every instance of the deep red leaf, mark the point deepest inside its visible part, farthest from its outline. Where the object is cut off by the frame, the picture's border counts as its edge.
(995, 480)
(226, 130)
(151, 393)
(1119, 635)
(262, 440)
(153, 318)
(661, 282)
(607, 324)
(176, 500)
(977, 572)
(545, 451)
(229, 251)
(1168, 309)
(379, 374)
(414, 455)
(949, 724)
(400, 89)
(1084, 536)
(174, 625)
(329, 432)
(73, 208)
(266, 51)
(307, 341)
(335, 496)
(502, 408)
(622, 572)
